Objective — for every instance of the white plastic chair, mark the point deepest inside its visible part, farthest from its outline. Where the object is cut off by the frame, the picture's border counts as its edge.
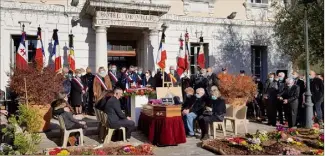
(110, 131)
(237, 117)
(66, 133)
(213, 126)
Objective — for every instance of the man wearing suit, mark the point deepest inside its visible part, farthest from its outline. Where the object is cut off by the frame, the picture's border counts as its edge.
(116, 117)
(317, 91)
(279, 104)
(115, 77)
(290, 97)
(212, 79)
(301, 110)
(270, 96)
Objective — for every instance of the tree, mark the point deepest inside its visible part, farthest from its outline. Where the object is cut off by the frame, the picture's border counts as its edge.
(290, 36)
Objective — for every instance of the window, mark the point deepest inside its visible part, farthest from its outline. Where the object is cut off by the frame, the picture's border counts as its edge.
(259, 61)
(260, 1)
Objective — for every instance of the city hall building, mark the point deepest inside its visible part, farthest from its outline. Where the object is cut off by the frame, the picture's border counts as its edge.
(237, 33)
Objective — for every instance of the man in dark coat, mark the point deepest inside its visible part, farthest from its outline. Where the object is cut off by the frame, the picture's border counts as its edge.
(186, 82)
(88, 80)
(290, 97)
(270, 96)
(301, 110)
(212, 79)
(115, 115)
(200, 80)
(279, 103)
(317, 91)
(158, 78)
(115, 77)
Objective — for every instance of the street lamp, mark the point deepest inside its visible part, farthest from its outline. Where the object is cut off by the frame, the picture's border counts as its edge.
(308, 102)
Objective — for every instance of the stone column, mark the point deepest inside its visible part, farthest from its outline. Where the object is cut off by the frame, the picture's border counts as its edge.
(153, 46)
(145, 58)
(101, 47)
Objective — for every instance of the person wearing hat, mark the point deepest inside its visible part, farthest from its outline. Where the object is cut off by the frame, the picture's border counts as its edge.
(88, 80)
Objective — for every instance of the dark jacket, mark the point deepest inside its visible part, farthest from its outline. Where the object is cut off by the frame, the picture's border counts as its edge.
(158, 79)
(198, 106)
(100, 105)
(67, 86)
(317, 89)
(114, 112)
(189, 101)
(301, 85)
(218, 109)
(69, 121)
(271, 89)
(75, 94)
(150, 82)
(88, 81)
(212, 81)
(200, 81)
(117, 83)
(291, 94)
(168, 79)
(281, 86)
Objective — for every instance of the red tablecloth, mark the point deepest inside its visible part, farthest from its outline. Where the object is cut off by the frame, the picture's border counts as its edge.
(162, 130)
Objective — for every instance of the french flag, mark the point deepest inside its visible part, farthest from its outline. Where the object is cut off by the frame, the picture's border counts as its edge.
(200, 57)
(40, 55)
(71, 57)
(56, 51)
(162, 53)
(181, 57)
(21, 55)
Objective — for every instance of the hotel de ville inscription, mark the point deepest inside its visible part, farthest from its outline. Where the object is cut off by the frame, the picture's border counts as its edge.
(125, 19)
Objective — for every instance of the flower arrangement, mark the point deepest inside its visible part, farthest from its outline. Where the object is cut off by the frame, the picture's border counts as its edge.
(235, 86)
(237, 141)
(144, 149)
(290, 151)
(317, 152)
(293, 141)
(59, 151)
(155, 101)
(141, 91)
(262, 135)
(321, 137)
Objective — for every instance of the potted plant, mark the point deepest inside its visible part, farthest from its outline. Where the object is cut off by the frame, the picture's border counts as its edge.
(39, 88)
(236, 89)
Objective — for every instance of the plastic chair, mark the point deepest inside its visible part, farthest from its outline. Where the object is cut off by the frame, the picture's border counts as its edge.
(239, 117)
(110, 131)
(68, 132)
(215, 125)
(101, 127)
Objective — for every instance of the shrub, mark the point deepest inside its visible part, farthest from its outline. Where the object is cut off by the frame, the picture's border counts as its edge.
(40, 84)
(30, 117)
(236, 86)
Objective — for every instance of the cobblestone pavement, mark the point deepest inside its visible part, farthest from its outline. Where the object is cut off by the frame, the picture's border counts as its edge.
(191, 147)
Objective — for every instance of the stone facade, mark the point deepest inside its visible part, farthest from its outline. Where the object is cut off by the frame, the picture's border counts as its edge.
(228, 41)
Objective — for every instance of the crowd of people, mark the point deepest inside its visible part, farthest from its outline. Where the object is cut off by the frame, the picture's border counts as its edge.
(280, 98)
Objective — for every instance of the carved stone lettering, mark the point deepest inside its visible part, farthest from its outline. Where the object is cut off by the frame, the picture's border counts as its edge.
(124, 23)
(126, 17)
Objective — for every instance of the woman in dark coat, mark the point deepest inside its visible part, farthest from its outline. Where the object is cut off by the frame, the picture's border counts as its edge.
(217, 115)
(77, 90)
(149, 80)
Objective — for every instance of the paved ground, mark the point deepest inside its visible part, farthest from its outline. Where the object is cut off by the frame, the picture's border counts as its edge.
(191, 147)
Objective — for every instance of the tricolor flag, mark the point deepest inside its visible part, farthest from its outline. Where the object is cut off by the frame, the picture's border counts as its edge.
(200, 57)
(56, 51)
(21, 55)
(40, 55)
(187, 51)
(181, 57)
(162, 54)
(71, 59)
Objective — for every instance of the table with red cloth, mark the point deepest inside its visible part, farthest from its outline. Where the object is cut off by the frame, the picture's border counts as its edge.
(163, 130)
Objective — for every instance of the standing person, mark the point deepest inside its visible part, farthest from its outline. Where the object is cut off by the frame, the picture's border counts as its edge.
(190, 114)
(212, 78)
(158, 78)
(115, 77)
(185, 82)
(270, 96)
(149, 80)
(77, 91)
(301, 110)
(216, 115)
(140, 77)
(290, 97)
(115, 115)
(102, 82)
(172, 77)
(88, 80)
(260, 113)
(317, 91)
(279, 104)
(200, 80)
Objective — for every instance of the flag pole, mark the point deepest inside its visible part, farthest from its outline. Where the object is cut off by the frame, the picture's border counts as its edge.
(163, 77)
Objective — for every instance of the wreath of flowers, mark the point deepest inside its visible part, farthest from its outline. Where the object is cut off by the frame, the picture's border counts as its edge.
(140, 91)
(59, 151)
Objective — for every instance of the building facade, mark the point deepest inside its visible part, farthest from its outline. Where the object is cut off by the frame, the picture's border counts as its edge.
(126, 32)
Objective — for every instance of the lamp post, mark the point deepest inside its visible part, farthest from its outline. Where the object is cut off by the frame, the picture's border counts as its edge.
(308, 101)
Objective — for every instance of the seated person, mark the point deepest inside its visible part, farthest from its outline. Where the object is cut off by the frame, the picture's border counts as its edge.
(217, 115)
(67, 115)
(54, 104)
(189, 99)
(101, 101)
(194, 111)
(116, 117)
